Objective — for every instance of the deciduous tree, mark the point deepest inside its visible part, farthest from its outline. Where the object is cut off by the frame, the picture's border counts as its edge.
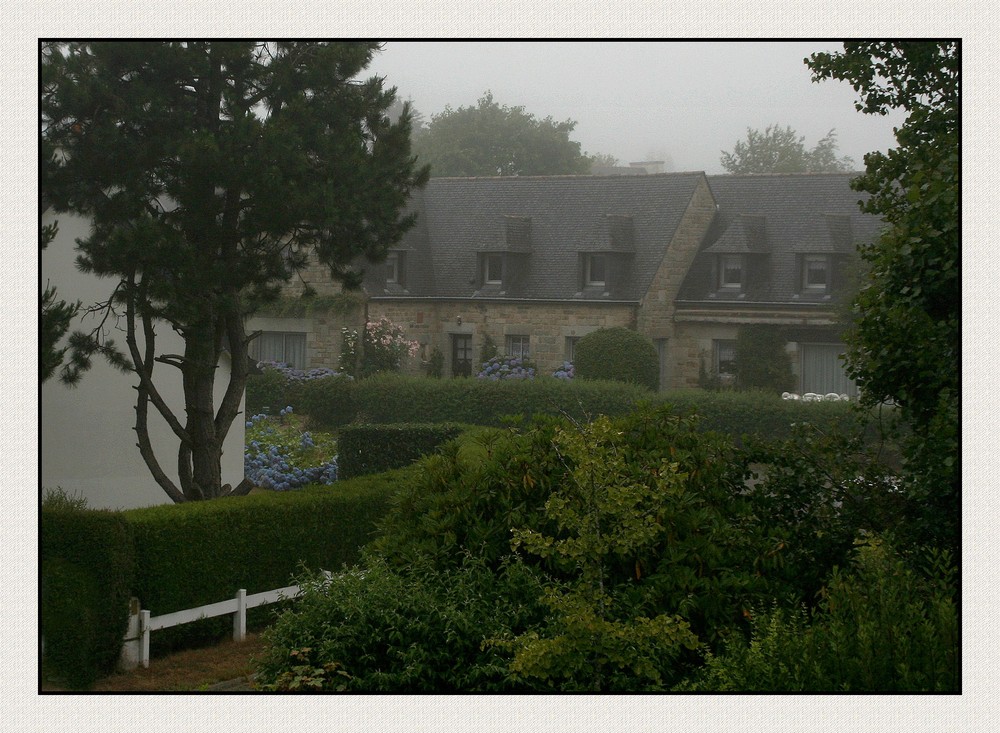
(490, 139)
(782, 150)
(208, 171)
(905, 347)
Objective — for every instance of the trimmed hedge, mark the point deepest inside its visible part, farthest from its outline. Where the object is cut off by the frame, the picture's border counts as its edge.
(87, 564)
(617, 354)
(365, 449)
(392, 398)
(193, 554)
(764, 415)
(179, 556)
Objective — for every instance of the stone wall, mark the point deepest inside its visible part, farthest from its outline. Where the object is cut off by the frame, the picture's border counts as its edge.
(547, 324)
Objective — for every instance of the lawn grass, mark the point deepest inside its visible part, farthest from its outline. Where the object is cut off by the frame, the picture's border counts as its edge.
(191, 670)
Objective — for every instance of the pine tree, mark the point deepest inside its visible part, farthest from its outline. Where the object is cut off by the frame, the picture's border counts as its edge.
(208, 171)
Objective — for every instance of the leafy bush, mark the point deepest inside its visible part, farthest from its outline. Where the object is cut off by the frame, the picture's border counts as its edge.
(605, 630)
(617, 354)
(390, 630)
(374, 448)
(814, 492)
(87, 563)
(435, 364)
(880, 627)
(695, 562)
(761, 360)
(59, 498)
(382, 347)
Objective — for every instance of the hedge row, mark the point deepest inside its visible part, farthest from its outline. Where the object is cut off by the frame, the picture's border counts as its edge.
(387, 399)
(87, 571)
(365, 449)
(391, 398)
(174, 557)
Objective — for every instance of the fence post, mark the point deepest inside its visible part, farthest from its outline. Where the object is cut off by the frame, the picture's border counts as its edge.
(240, 617)
(144, 646)
(131, 651)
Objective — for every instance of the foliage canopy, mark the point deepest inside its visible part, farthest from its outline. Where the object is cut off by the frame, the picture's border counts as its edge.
(490, 139)
(905, 347)
(782, 150)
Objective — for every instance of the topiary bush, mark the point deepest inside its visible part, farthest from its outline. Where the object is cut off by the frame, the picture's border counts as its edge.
(617, 354)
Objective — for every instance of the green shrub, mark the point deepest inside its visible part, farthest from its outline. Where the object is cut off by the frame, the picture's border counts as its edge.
(419, 629)
(87, 562)
(880, 627)
(329, 402)
(393, 398)
(197, 553)
(59, 498)
(761, 360)
(696, 563)
(268, 390)
(435, 364)
(365, 449)
(617, 354)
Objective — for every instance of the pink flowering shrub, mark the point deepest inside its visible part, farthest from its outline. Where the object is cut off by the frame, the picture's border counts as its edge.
(382, 347)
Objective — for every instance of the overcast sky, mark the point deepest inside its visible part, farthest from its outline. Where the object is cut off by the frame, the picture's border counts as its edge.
(682, 102)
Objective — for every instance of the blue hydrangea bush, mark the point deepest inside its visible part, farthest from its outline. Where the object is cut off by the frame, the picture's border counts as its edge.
(566, 371)
(280, 456)
(506, 367)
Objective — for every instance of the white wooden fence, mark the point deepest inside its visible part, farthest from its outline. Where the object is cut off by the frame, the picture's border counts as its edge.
(141, 624)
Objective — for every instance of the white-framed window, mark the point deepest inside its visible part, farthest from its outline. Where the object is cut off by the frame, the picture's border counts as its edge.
(815, 273)
(393, 268)
(280, 346)
(518, 346)
(493, 269)
(571, 347)
(725, 358)
(731, 268)
(595, 269)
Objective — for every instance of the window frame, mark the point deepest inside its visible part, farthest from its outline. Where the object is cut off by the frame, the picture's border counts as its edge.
(490, 258)
(718, 345)
(523, 346)
(724, 284)
(810, 287)
(588, 270)
(303, 344)
(393, 268)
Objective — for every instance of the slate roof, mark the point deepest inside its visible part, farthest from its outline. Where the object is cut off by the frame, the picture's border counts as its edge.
(459, 218)
(774, 219)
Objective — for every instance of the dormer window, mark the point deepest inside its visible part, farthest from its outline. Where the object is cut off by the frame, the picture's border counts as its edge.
(731, 269)
(815, 273)
(493, 269)
(393, 272)
(595, 270)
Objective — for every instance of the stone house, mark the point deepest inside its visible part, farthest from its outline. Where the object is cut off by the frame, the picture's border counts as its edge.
(535, 263)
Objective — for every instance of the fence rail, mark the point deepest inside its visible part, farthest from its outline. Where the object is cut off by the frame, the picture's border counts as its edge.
(141, 624)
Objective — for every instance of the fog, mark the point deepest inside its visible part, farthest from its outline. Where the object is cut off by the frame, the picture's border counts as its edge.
(680, 102)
